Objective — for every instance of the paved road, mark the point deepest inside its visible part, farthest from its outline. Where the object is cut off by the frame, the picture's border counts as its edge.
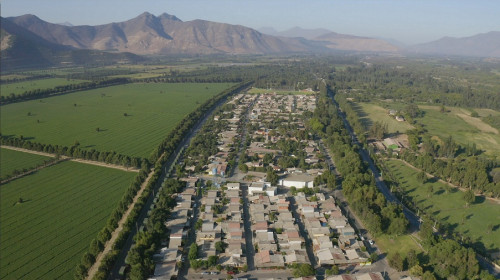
(182, 274)
(247, 224)
(303, 232)
(410, 216)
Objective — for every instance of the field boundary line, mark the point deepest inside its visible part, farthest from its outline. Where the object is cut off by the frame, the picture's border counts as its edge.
(114, 235)
(29, 172)
(443, 181)
(84, 161)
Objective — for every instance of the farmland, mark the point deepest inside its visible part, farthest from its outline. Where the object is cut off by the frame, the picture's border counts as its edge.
(456, 122)
(129, 119)
(21, 87)
(374, 112)
(63, 209)
(13, 160)
(450, 208)
(464, 128)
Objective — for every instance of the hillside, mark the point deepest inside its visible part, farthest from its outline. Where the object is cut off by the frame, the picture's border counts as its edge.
(21, 48)
(166, 34)
(354, 43)
(481, 45)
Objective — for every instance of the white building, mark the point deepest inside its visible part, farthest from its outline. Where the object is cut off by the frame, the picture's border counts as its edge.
(297, 180)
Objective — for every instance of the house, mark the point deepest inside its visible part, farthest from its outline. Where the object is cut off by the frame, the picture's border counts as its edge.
(271, 191)
(233, 186)
(256, 187)
(265, 258)
(297, 180)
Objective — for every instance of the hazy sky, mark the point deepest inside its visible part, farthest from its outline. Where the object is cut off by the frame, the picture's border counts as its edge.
(409, 21)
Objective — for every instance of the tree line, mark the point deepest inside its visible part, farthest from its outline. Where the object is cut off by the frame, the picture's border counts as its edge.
(358, 184)
(160, 156)
(28, 78)
(465, 171)
(414, 81)
(42, 93)
(438, 261)
(75, 151)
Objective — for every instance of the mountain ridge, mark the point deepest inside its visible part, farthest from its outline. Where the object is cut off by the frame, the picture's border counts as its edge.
(479, 45)
(166, 34)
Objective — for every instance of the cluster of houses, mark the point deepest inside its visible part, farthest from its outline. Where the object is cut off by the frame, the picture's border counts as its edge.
(179, 224)
(360, 276)
(269, 108)
(222, 222)
(334, 240)
(226, 138)
(276, 236)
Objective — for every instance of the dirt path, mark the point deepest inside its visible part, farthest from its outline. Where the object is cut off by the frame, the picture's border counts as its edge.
(91, 162)
(109, 244)
(429, 175)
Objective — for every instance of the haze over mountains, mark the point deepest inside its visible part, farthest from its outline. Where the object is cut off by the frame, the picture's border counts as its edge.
(28, 36)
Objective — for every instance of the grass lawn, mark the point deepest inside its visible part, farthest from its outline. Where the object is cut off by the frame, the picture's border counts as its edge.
(464, 129)
(21, 87)
(65, 206)
(450, 207)
(152, 111)
(401, 244)
(277, 91)
(371, 113)
(13, 160)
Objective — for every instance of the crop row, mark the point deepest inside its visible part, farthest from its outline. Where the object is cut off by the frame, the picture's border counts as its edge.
(63, 208)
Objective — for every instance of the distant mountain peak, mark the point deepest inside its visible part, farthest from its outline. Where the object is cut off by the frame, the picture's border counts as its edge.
(169, 16)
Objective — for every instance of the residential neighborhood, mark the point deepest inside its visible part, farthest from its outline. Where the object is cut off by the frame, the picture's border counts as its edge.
(255, 202)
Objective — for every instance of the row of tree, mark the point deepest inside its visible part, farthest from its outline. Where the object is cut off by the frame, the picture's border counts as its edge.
(469, 172)
(75, 151)
(29, 77)
(141, 269)
(445, 258)
(97, 244)
(16, 172)
(358, 184)
(41, 93)
(412, 81)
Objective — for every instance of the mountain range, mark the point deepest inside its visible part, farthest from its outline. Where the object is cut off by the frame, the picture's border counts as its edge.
(27, 37)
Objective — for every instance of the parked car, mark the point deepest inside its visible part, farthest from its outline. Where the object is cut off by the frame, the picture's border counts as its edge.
(214, 272)
(205, 273)
(371, 242)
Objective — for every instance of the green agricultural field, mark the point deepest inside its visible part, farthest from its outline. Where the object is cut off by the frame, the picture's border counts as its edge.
(465, 129)
(64, 208)
(450, 207)
(277, 91)
(14, 160)
(152, 111)
(21, 87)
(370, 113)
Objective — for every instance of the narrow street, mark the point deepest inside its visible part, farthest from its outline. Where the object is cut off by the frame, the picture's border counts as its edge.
(303, 232)
(247, 224)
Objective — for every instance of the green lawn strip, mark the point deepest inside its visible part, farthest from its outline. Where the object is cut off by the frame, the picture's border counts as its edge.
(449, 208)
(152, 111)
(375, 113)
(401, 244)
(21, 87)
(14, 160)
(65, 206)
